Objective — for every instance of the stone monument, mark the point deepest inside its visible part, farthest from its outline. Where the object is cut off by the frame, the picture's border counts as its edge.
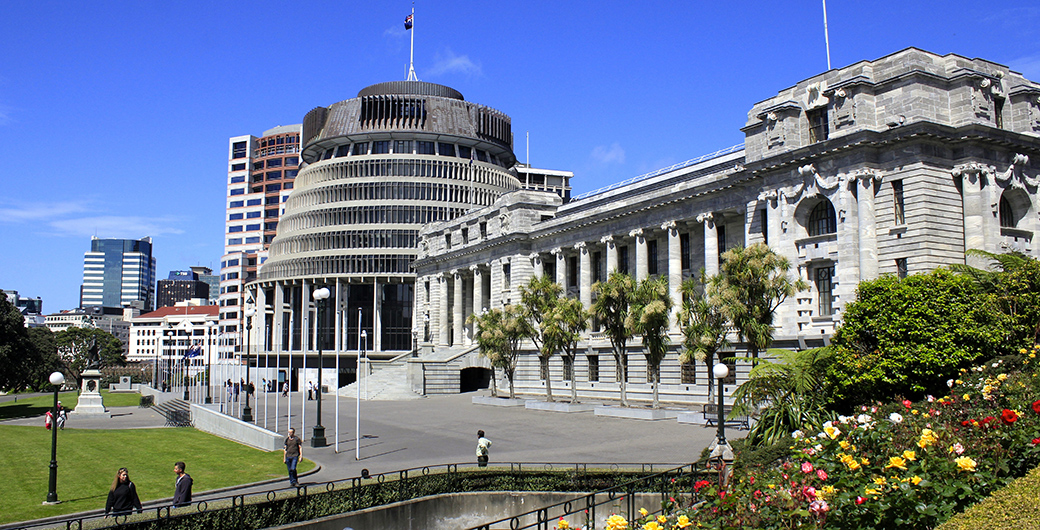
(90, 401)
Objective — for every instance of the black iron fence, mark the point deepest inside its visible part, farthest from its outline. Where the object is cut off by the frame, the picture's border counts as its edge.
(260, 508)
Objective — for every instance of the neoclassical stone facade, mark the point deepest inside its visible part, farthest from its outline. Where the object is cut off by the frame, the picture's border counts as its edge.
(892, 166)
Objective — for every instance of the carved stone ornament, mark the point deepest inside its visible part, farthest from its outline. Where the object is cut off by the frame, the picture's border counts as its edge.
(705, 217)
(454, 272)
(638, 232)
(1015, 176)
(556, 252)
(534, 256)
(767, 195)
(475, 269)
(814, 97)
(609, 240)
(669, 225)
(503, 220)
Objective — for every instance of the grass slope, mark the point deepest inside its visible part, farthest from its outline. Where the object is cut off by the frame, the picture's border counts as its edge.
(38, 405)
(88, 460)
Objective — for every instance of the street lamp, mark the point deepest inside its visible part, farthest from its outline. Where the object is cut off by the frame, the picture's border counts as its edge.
(721, 371)
(318, 436)
(57, 379)
(357, 420)
(209, 359)
(169, 353)
(185, 360)
(247, 413)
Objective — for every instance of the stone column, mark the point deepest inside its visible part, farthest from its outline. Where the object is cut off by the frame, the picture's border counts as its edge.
(611, 245)
(279, 312)
(642, 269)
(305, 314)
(772, 219)
(584, 274)
(711, 244)
(442, 313)
(478, 289)
(867, 225)
(674, 272)
(495, 296)
(377, 318)
(973, 177)
(456, 308)
(561, 268)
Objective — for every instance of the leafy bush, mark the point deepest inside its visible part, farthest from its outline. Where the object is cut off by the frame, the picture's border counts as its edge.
(1013, 507)
(906, 337)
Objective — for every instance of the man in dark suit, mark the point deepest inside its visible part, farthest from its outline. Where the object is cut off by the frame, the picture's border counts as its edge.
(182, 489)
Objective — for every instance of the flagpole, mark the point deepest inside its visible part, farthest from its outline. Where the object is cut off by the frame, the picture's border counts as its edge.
(826, 35)
(411, 53)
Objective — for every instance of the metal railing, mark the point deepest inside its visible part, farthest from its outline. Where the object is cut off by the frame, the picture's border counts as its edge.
(267, 507)
(662, 171)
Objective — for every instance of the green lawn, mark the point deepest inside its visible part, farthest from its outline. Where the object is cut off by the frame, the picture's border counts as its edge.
(38, 405)
(88, 460)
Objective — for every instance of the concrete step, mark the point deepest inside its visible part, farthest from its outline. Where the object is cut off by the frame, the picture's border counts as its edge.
(387, 383)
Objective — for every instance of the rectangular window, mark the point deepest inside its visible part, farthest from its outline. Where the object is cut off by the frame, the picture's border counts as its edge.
(361, 148)
(238, 150)
(597, 267)
(235, 204)
(237, 228)
(292, 161)
(651, 256)
(998, 112)
(765, 225)
(444, 149)
(236, 241)
(258, 165)
(274, 162)
(483, 230)
(252, 240)
(543, 371)
(235, 216)
(343, 150)
(593, 367)
(381, 147)
(721, 231)
(689, 373)
(250, 228)
(424, 148)
(232, 263)
(236, 180)
(622, 265)
(465, 152)
(447, 241)
(819, 130)
(238, 191)
(291, 173)
(273, 187)
(825, 290)
(505, 277)
(897, 202)
(253, 215)
(572, 272)
(568, 368)
(465, 235)
(238, 167)
(402, 147)
(271, 226)
(901, 268)
(254, 202)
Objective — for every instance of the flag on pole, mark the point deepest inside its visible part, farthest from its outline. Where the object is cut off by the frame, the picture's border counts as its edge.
(194, 351)
(408, 22)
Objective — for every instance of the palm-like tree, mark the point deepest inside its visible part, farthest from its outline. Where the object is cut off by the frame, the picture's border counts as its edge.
(612, 308)
(753, 283)
(791, 388)
(562, 330)
(537, 300)
(649, 317)
(703, 325)
(499, 332)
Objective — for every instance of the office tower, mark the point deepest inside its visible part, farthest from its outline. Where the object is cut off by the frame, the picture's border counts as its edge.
(118, 273)
(180, 286)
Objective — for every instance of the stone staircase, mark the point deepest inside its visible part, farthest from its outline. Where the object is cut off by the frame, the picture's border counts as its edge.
(176, 411)
(387, 382)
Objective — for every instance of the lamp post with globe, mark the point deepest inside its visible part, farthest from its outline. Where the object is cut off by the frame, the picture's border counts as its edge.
(57, 379)
(209, 360)
(318, 436)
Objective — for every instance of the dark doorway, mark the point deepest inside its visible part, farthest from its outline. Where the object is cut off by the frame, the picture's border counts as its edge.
(473, 379)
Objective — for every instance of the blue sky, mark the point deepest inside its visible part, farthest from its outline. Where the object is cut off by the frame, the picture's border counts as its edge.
(115, 116)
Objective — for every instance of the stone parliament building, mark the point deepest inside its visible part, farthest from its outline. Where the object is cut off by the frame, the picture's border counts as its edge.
(891, 166)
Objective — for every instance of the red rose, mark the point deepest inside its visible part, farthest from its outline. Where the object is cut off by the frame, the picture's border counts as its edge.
(965, 423)
(700, 484)
(1036, 441)
(1008, 416)
(860, 500)
(907, 403)
(1036, 406)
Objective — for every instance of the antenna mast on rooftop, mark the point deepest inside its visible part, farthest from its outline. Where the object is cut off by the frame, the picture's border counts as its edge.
(408, 23)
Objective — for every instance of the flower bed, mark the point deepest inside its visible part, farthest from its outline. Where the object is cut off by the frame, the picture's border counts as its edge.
(892, 465)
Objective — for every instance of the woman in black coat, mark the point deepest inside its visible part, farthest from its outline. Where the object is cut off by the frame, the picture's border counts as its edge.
(122, 498)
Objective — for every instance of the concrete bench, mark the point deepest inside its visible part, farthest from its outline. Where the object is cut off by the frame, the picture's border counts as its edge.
(711, 416)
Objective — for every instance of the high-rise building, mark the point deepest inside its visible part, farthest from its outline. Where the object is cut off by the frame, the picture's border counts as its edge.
(212, 280)
(118, 273)
(180, 286)
(261, 174)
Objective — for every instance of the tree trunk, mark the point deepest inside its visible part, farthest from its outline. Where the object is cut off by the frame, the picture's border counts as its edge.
(574, 382)
(494, 387)
(656, 375)
(623, 379)
(512, 390)
(548, 383)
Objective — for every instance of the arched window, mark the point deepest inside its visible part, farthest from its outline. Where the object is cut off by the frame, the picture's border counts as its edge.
(1007, 215)
(822, 219)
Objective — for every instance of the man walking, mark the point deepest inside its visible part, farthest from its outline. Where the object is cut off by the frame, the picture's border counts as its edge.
(292, 452)
(182, 488)
(483, 444)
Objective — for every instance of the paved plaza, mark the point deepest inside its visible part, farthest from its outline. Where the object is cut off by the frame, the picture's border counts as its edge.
(442, 429)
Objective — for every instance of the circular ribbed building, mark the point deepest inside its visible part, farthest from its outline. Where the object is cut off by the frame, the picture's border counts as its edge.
(374, 169)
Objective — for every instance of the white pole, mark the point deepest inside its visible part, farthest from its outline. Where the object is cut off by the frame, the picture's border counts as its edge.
(357, 413)
(267, 366)
(826, 35)
(411, 53)
(339, 346)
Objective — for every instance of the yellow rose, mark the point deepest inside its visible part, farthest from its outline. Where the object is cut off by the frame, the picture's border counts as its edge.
(965, 463)
(864, 461)
(1002, 377)
(662, 519)
(683, 521)
(832, 431)
(652, 525)
(852, 464)
(844, 444)
(616, 522)
(967, 397)
(563, 524)
(872, 491)
(643, 512)
(896, 462)
(910, 455)
(880, 481)
(916, 480)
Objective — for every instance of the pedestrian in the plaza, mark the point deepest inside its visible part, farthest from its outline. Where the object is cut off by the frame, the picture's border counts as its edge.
(264, 384)
(310, 390)
(229, 390)
(122, 496)
(483, 444)
(285, 389)
(238, 388)
(291, 454)
(182, 487)
(63, 415)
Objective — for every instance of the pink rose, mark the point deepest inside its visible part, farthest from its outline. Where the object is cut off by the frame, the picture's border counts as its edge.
(822, 474)
(807, 467)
